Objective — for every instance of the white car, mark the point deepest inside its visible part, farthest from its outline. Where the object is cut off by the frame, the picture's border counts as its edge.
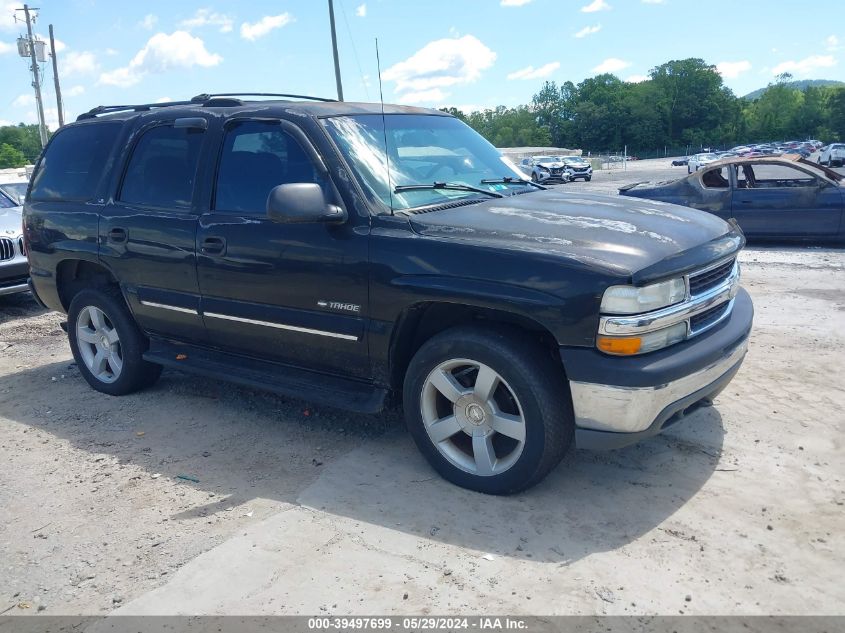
(833, 155)
(545, 169)
(697, 161)
(14, 269)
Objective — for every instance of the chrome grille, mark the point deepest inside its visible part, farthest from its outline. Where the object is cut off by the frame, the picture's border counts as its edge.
(707, 279)
(7, 249)
(704, 320)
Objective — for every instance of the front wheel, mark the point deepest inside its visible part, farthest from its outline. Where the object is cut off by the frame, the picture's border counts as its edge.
(107, 344)
(488, 408)
(588, 178)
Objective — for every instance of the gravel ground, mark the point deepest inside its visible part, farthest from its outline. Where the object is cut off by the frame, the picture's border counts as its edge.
(201, 497)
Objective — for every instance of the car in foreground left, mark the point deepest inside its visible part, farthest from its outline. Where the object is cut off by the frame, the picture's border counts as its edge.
(14, 270)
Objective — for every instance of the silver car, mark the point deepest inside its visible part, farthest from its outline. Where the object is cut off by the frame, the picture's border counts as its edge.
(14, 269)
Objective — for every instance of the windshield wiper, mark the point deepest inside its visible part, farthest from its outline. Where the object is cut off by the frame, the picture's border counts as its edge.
(450, 186)
(510, 180)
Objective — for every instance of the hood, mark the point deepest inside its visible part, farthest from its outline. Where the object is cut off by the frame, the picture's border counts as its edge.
(641, 239)
(553, 165)
(10, 222)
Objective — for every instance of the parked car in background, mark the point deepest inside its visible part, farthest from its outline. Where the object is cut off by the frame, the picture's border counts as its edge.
(547, 169)
(833, 155)
(14, 270)
(783, 198)
(680, 162)
(578, 167)
(697, 161)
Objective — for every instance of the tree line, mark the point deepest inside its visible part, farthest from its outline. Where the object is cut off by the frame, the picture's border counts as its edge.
(683, 104)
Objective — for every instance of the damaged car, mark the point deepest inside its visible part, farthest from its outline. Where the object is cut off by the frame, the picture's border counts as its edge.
(782, 198)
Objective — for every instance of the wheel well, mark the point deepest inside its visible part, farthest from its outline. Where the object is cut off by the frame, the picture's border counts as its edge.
(420, 322)
(73, 275)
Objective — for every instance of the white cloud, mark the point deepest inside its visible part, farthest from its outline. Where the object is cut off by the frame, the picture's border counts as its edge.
(207, 17)
(7, 15)
(161, 53)
(529, 72)
(23, 100)
(611, 65)
(79, 63)
(7, 48)
(266, 24)
(596, 5)
(163, 100)
(111, 52)
(361, 11)
(832, 43)
(74, 91)
(148, 22)
(654, 1)
(514, 3)
(588, 30)
(635, 79)
(440, 64)
(731, 70)
(805, 67)
(423, 96)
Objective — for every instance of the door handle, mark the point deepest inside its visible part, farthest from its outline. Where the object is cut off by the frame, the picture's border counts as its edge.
(118, 235)
(213, 246)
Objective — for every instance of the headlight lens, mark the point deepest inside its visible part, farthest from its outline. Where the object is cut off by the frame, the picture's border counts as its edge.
(633, 300)
(629, 345)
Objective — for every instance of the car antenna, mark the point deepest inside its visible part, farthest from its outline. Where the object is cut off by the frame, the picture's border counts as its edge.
(384, 129)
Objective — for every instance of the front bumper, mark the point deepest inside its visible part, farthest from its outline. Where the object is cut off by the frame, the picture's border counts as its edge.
(14, 276)
(619, 401)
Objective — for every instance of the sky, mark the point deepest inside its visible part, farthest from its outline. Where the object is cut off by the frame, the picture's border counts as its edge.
(472, 54)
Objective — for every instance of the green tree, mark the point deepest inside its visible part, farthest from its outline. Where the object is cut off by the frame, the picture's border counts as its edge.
(24, 138)
(11, 157)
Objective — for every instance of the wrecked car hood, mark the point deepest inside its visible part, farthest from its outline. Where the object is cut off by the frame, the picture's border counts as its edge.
(622, 235)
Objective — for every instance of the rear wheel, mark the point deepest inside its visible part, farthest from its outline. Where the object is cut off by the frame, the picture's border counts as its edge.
(107, 344)
(488, 408)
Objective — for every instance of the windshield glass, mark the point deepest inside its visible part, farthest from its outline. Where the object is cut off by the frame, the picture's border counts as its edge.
(15, 190)
(545, 160)
(573, 159)
(422, 149)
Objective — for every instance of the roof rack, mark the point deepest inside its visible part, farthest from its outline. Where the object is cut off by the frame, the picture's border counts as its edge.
(205, 97)
(211, 100)
(141, 107)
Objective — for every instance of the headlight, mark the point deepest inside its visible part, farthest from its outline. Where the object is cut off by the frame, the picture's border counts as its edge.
(643, 343)
(633, 300)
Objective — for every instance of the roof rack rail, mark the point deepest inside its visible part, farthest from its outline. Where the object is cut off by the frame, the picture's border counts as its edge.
(201, 98)
(140, 107)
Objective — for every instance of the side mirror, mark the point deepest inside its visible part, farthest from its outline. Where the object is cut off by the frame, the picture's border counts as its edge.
(301, 203)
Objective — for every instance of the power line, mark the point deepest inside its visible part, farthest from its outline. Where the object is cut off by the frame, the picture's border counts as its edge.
(29, 50)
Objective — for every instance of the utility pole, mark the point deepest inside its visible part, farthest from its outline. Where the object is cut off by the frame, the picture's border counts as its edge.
(334, 52)
(56, 79)
(36, 82)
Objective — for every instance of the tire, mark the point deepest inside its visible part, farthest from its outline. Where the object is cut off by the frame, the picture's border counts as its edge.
(529, 400)
(588, 179)
(107, 343)
(534, 177)
(689, 171)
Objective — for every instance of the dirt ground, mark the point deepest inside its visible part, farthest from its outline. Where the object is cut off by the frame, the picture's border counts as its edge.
(201, 497)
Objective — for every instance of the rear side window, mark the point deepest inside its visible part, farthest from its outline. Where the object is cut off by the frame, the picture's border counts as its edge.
(74, 162)
(163, 167)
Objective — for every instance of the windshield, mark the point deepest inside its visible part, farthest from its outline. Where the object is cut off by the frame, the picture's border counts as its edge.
(15, 190)
(573, 159)
(545, 160)
(422, 149)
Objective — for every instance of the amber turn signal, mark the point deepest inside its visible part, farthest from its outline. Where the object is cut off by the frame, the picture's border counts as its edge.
(622, 346)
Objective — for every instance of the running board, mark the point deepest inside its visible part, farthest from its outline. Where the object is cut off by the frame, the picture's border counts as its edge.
(303, 384)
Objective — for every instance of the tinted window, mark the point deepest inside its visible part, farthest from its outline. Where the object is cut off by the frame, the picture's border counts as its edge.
(74, 162)
(774, 176)
(163, 167)
(257, 156)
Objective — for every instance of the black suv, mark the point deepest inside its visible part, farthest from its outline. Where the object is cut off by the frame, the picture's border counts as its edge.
(341, 252)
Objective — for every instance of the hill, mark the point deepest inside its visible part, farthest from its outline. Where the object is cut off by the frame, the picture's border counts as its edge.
(800, 84)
